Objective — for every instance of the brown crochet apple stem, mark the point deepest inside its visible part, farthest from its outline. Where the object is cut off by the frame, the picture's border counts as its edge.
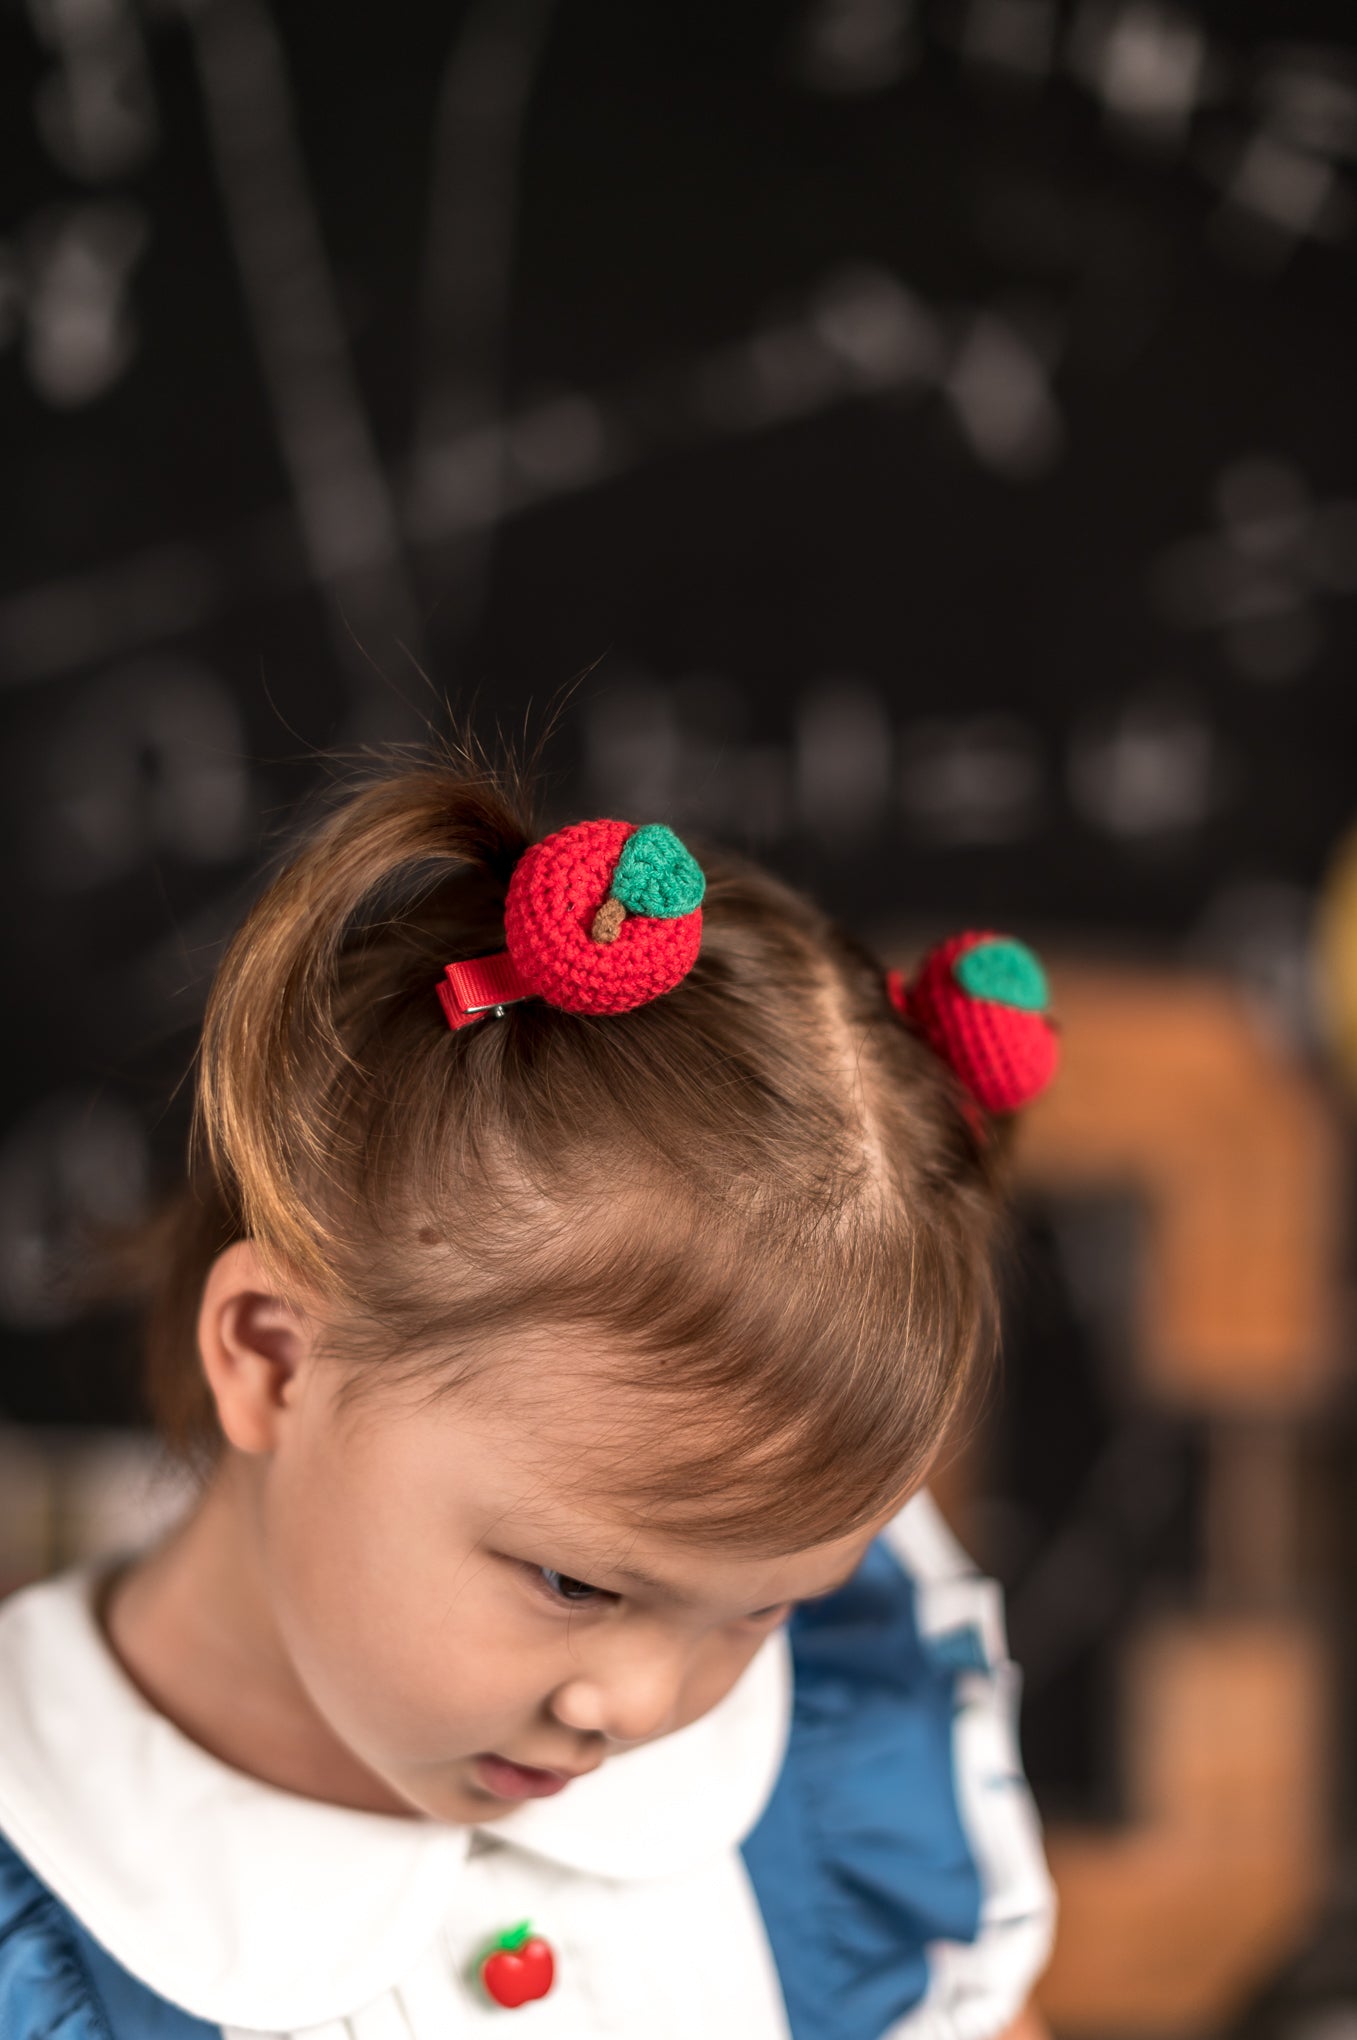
(608, 920)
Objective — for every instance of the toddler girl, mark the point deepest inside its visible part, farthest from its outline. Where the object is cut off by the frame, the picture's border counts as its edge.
(585, 1253)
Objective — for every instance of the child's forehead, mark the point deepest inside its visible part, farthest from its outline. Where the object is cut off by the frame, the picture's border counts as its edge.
(545, 1417)
(566, 1400)
(552, 1476)
(567, 1442)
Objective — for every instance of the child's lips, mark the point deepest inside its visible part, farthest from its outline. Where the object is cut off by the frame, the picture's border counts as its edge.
(508, 1780)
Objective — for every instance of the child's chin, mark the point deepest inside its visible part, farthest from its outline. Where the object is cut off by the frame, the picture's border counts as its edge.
(479, 1811)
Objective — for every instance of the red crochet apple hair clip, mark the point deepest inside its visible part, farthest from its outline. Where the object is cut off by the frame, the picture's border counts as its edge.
(600, 917)
(980, 1000)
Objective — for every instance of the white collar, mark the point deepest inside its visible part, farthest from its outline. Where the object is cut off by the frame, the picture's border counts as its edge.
(181, 1866)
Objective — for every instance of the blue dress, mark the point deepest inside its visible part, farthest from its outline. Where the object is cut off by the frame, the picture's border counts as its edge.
(896, 1863)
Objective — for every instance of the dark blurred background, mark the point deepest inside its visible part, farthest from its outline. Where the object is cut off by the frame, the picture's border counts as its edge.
(921, 430)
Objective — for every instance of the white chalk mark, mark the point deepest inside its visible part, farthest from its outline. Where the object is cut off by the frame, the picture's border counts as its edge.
(779, 372)
(79, 619)
(151, 759)
(1148, 770)
(79, 334)
(340, 491)
(972, 779)
(1146, 63)
(559, 444)
(1308, 96)
(95, 111)
(1003, 402)
(882, 334)
(1259, 578)
(1277, 195)
(469, 247)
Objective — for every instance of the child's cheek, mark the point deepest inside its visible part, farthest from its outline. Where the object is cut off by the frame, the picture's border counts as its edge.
(415, 1666)
(715, 1668)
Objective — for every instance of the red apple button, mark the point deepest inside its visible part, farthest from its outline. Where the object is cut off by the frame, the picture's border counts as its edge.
(518, 1966)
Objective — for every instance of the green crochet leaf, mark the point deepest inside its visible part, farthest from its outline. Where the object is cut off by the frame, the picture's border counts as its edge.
(1006, 971)
(655, 875)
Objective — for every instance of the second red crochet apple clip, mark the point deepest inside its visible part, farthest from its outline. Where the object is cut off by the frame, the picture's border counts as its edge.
(599, 917)
(980, 1000)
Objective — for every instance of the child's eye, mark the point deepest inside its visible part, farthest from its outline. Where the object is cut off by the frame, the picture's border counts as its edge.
(563, 1588)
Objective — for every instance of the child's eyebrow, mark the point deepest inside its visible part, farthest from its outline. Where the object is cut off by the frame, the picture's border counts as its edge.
(837, 1586)
(636, 1576)
(663, 1590)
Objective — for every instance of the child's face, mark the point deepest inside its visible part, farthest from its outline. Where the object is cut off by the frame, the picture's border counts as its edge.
(442, 1594)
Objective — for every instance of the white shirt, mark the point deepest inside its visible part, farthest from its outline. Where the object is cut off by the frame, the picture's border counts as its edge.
(262, 1911)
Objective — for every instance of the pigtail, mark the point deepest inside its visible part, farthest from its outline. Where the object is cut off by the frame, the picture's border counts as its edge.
(292, 1002)
(279, 1063)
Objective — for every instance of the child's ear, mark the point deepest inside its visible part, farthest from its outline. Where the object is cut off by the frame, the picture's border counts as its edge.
(254, 1348)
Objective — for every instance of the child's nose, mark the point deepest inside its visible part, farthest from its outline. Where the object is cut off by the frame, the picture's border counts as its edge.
(629, 1699)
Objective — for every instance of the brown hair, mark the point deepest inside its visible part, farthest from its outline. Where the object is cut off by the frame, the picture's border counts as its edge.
(758, 1193)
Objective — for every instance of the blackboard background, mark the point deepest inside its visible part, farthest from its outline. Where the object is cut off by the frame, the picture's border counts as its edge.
(927, 428)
